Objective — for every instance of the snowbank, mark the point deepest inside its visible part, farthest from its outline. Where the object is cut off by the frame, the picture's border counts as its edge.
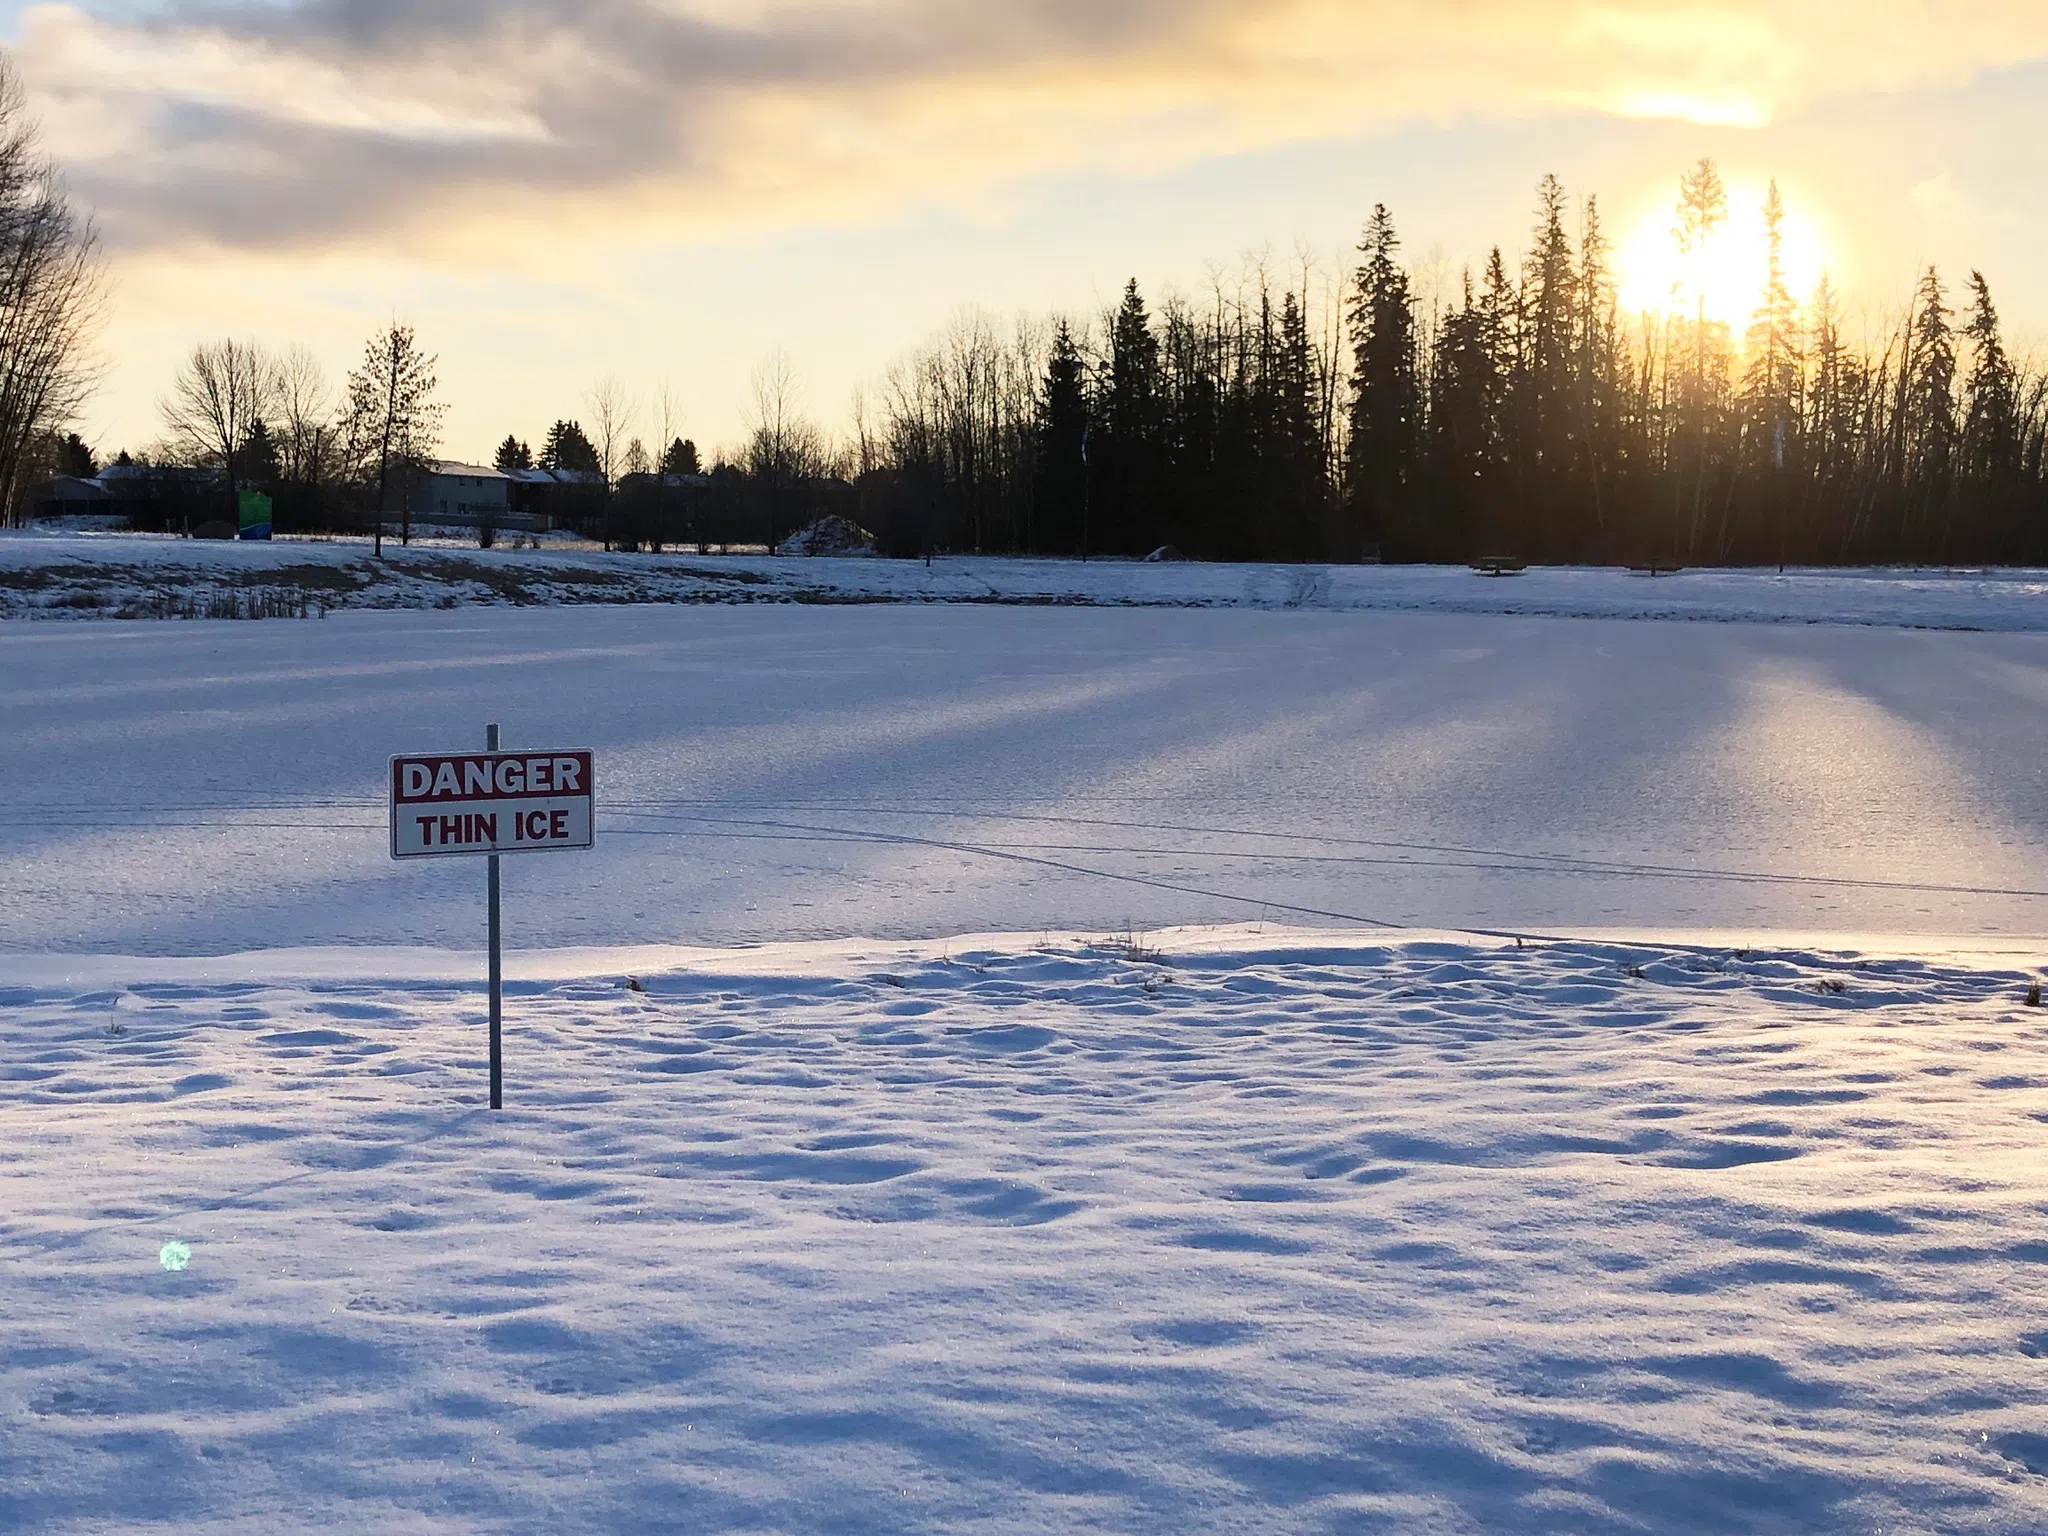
(139, 576)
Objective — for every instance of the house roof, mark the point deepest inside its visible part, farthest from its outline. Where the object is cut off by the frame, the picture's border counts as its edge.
(456, 467)
(72, 488)
(116, 475)
(674, 480)
(554, 476)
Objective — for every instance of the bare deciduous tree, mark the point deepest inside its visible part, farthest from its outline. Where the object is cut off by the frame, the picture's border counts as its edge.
(307, 432)
(784, 447)
(611, 415)
(666, 413)
(220, 392)
(959, 413)
(51, 284)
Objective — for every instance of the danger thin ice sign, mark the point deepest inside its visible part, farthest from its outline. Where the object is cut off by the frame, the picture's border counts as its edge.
(491, 802)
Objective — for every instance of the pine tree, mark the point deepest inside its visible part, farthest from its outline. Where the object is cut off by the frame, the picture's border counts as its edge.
(1541, 389)
(1059, 492)
(1770, 388)
(1384, 446)
(393, 417)
(1596, 377)
(513, 454)
(680, 458)
(1770, 384)
(1295, 443)
(1464, 426)
(568, 448)
(1131, 420)
(74, 458)
(1929, 422)
(1702, 210)
(1991, 455)
(257, 459)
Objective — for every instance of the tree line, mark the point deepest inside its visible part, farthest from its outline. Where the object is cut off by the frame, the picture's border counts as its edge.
(240, 416)
(1275, 418)
(1529, 417)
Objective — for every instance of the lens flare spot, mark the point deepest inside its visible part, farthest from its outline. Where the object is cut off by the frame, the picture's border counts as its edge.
(174, 1255)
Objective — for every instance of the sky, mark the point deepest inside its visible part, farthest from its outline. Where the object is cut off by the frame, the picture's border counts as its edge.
(666, 193)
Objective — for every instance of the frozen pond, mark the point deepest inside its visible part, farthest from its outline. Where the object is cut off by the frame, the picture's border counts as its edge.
(776, 772)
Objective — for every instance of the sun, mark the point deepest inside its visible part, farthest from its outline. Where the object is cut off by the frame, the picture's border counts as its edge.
(1728, 270)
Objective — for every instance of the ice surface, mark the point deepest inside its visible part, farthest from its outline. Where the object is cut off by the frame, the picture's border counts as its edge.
(1280, 1232)
(192, 787)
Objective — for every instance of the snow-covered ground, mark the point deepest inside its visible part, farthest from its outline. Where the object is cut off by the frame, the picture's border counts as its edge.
(1251, 1232)
(75, 575)
(832, 1222)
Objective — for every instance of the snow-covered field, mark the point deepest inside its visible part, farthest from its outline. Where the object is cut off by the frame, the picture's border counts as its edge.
(1265, 1232)
(1177, 1200)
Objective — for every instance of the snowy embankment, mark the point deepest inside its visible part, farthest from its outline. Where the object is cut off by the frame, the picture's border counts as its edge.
(135, 576)
(1249, 1232)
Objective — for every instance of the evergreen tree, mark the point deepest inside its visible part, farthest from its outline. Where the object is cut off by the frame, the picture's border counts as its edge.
(393, 418)
(1596, 371)
(257, 460)
(1464, 427)
(1496, 331)
(513, 454)
(680, 458)
(1929, 380)
(1543, 392)
(1125, 514)
(1991, 465)
(568, 448)
(1384, 447)
(75, 458)
(1770, 384)
(1059, 493)
(1829, 417)
(1770, 403)
(1295, 441)
(1702, 210)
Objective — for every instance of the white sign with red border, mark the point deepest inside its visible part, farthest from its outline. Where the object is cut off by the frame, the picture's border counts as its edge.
(492, 802)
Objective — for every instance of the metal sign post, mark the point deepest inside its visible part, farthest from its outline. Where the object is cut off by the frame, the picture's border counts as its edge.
(497, 964)
(490, 803)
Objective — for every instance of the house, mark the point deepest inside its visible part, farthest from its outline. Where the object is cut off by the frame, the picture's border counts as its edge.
(465, 496)
(556, 498)
(167, 497)
(70, 496)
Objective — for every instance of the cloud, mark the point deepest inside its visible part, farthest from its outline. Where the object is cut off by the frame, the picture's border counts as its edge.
(288, 123)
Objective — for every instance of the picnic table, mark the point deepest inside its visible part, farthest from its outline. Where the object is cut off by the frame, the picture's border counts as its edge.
(1499, 565)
